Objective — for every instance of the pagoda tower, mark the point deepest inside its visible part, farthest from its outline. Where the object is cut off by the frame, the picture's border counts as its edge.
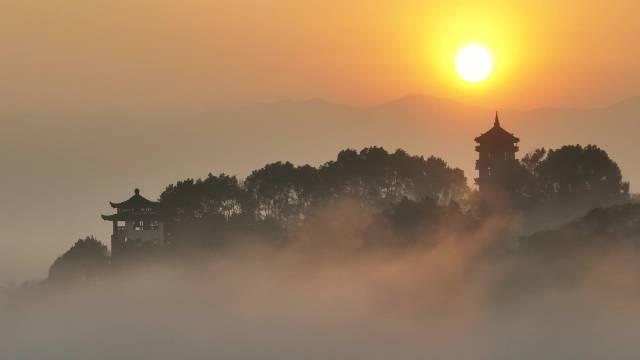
(497, 158)
(136, 222)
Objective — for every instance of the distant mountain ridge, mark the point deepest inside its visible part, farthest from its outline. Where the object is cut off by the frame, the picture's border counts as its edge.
(98, 156)
(601, 228)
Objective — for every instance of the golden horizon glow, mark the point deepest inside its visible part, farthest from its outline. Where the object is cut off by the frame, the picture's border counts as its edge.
(389, 50)
(494, 29)
(474, 63)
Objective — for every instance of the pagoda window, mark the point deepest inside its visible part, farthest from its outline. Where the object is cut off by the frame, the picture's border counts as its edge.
(139, 225)
(154, 225)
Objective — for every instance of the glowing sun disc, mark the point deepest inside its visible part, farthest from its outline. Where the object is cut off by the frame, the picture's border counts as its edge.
(474, 63)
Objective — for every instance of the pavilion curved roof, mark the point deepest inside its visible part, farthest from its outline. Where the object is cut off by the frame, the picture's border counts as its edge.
(131, 216)
(137, 201)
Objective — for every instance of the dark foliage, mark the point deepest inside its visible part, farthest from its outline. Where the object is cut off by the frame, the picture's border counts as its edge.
(279, 196)
(87, 258)
(575, 171)
(567, 182)
(416, 201)
(563, 257)
(599, 229)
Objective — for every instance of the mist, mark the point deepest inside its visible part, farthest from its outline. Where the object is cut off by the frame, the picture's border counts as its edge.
(325, 295)
(62, 168)
(315, 180)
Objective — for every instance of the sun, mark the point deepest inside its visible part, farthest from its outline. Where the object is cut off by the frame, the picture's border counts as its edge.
(474, 63)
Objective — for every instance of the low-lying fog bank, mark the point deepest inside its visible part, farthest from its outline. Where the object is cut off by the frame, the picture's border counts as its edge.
(324, 298)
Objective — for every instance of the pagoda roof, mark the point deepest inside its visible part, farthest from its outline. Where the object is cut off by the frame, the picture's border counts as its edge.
(137, 201)
(131, 216)
(497, 133)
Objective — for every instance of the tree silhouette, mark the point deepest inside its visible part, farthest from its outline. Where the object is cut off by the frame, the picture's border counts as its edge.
(195, 199)
(413, 200)
(87, 258)
(531, 160)
(382, 179)
(575, 171)
(559, 184)
(281, 194)
(282, 191)
(195, 208)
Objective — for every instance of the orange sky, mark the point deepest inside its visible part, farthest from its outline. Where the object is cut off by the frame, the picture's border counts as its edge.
(86, 83)
(195, 54)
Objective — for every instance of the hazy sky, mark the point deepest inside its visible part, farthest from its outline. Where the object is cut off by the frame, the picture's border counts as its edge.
(98, 97)
(195, 54)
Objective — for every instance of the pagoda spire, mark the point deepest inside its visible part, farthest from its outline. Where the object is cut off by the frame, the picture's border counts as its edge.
(496, 122)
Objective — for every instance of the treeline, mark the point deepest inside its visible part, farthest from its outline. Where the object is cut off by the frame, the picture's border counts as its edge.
(558, 183)
(571, 173)
(413, 198)
(567, 256)
(280, 196)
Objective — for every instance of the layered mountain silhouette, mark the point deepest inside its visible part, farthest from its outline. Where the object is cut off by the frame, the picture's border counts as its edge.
(61, 168)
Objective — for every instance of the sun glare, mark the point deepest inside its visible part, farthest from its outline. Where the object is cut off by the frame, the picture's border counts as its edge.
(474, 63)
